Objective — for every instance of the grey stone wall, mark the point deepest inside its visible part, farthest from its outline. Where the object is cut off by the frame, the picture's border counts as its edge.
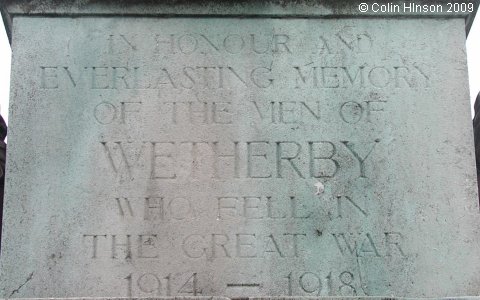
(238, 150)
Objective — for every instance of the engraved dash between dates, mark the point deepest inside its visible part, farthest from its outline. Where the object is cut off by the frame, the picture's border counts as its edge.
(243, 284)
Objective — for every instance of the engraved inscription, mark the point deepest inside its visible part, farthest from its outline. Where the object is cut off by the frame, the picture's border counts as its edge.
(365, 245)
(261, 208)
(192, 43)
(243, 148)
(220, 77)
(251, 159)
(153, 284)
(334, 77)
(287, 112)
(113, 246)
(243, 245)
(156, 208)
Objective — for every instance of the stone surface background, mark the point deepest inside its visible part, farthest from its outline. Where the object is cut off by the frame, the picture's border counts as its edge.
(124, 182)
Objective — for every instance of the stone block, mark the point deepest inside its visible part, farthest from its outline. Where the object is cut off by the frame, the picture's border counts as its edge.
(178, 149)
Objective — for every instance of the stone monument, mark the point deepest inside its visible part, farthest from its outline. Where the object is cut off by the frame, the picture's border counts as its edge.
(239, 149)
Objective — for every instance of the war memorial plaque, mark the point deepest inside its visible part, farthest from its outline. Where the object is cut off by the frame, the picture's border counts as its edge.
(238, 150)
